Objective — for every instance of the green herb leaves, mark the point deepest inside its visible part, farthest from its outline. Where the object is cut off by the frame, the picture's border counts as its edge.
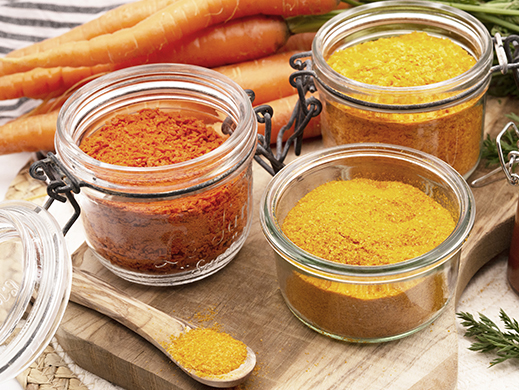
(508, 143)
(489, 338)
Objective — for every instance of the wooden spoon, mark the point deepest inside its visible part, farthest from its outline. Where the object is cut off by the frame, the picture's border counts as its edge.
(154, 325)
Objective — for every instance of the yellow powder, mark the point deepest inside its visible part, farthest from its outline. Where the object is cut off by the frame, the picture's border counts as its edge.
(452, 133)
(367, 222)
(207, 352)
(402, 61)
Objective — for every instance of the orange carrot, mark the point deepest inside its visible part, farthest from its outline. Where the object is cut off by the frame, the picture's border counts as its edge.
(172, 24)
(29, 134)
(283, 109)
(268, 77)
(42, 83)
(230, 42)
(124, 16)
(236, 41)
(299, 42)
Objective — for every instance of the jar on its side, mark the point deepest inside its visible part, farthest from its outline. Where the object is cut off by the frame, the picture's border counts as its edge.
(367, 303)
(35, 282)
(170, 224)
(444, 119)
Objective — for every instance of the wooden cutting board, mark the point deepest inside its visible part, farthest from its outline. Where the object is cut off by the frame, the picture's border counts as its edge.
(245, 300)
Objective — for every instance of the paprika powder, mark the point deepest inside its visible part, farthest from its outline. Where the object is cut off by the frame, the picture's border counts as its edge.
(163, 155)
(164, 236)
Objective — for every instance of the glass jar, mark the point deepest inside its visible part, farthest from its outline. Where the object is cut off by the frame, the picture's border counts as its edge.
(35, 282)
(172, 224)
(444, 119)
(367, 303)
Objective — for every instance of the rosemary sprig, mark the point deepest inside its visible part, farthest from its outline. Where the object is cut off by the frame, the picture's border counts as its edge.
(508, 143)
(490, 338)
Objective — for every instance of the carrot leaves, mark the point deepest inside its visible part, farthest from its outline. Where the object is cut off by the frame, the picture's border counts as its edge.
(489, 338)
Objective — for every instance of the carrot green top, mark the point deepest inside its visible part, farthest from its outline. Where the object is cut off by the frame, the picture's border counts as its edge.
(408, 60)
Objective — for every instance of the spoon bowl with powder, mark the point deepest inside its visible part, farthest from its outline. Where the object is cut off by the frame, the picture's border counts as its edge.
(210, 357)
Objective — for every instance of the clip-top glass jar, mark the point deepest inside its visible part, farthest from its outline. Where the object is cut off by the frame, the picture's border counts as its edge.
(444, 119)
(35, 282)
(170, 224)
(363, 303)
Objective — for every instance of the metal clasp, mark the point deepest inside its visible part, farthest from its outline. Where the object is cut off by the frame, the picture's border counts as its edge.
(507, 59)
(506, 167)
(60, 181)
(304, 110)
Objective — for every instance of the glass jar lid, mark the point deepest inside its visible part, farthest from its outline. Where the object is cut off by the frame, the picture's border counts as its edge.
(35, 282)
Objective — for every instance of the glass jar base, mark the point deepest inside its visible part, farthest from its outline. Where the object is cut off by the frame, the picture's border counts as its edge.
(178, 278)
(366, 340)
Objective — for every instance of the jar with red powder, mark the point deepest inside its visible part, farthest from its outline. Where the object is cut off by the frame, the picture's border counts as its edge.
(181, 214)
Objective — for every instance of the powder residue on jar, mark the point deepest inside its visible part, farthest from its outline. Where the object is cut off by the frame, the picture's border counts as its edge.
(207, 352)
(452, 133)
(165, 235)
(364, 222)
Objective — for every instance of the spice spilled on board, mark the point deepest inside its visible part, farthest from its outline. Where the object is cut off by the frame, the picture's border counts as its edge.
(207, 351)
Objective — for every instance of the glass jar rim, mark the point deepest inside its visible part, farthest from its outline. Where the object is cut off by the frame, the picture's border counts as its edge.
(236, 150)
(304, 260)
(475, 78)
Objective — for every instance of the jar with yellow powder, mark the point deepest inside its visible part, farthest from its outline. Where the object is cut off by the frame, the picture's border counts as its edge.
(409, 73)
(356, 270)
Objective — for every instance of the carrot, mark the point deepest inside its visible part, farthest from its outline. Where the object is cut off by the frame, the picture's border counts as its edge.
(299, 42)
(268, 77)
(235, 41)
(29, 134)
(214, 46)
(42, 83)
(172, 24)
(124, 16)
(283, 109)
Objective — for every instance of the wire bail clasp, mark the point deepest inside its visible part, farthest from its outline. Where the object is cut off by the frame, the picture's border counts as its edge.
(506, 167)
(304, 110)
(60, 181)
(507, 59)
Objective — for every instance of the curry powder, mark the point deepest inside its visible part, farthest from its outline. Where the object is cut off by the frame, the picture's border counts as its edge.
(166, 235)
(452, 134)
(365, 222)
(207, 352)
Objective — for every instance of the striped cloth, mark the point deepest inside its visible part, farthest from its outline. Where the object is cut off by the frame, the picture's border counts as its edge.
(25, 22)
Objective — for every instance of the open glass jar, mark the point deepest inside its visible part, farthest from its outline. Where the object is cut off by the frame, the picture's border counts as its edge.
(35, 282)
(171, 224)
(444, 119)
(367, 303)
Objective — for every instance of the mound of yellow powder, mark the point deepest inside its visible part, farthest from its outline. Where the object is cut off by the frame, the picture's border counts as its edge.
(367, 222)
(208, 352)
(406, 60)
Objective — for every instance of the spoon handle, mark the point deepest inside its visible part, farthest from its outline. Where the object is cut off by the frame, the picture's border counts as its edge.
(154, 325)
